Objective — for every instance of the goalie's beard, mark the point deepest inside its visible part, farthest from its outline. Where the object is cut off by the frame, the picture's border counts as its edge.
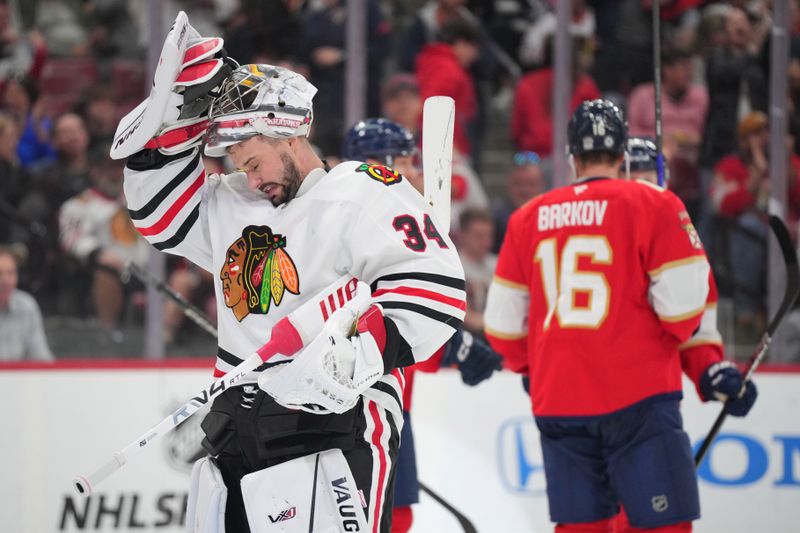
(290, 181)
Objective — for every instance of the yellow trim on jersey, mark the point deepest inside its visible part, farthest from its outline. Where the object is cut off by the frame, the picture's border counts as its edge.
(691, 343)
(675, 264)
(683, 316)
(510, 284)
(505, 336)
(650, 184)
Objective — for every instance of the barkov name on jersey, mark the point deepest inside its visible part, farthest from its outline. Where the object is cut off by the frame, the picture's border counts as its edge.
(574, 213)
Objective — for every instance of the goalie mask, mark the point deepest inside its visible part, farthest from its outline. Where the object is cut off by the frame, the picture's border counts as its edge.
(259, 100)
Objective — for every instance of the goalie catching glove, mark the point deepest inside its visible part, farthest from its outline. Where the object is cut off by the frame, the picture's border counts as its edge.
(335, 368)
(722, 381)
(175, 116)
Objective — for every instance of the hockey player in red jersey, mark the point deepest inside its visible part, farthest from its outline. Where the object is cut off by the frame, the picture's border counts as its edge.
(598, 284)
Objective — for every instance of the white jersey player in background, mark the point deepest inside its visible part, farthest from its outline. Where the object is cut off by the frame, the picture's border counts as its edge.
(274, 234)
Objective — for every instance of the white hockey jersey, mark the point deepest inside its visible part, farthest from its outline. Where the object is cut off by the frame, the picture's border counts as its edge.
(92, 221)
(359, 219)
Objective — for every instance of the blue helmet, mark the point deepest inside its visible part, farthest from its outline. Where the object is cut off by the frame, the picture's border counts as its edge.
(597, 126)
(642, 154)
(377, 138)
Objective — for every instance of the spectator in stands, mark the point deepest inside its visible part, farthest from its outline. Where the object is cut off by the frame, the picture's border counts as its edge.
(95, 229)
(425, 27)
(51, 184)
(21, 101)
(582, 25)
(274, 27)
(531, 116)
(323, 43)
(740, 194)
(683, 108)
(683, 105)
(99, 111)
(62, 178)
(474, 248)
(442, 68)
(401, 102)
(19, 53)
(59, 21)
(21, 327)
(112, 31)
(624, 37)
(736, 84)
(13, 179)
(528, 177)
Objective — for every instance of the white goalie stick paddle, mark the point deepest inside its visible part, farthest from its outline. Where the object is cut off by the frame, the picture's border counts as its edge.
(141, 124)
(789, 298)
(288, 337)
(438, 120)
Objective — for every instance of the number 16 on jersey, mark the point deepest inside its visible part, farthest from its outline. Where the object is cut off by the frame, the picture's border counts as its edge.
(576, 298)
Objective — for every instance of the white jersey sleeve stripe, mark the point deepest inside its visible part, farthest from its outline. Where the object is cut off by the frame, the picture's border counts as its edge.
(707, 333)
(506, 314)
(155, 199)
(165, 215)
(680, 291)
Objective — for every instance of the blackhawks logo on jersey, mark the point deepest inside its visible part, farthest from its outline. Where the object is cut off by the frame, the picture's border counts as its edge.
(381, 173)
(257, 272)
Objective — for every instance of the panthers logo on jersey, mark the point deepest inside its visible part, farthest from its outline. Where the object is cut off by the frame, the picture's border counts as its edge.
(257, 271)
(381, 173)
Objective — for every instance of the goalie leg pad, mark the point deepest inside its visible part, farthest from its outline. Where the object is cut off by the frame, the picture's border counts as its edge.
(205, 510)
(314, 493)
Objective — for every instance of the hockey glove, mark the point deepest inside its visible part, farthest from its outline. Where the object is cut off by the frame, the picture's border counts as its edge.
(174, 117)
(335, 368)
(722, 381)
(474, 357)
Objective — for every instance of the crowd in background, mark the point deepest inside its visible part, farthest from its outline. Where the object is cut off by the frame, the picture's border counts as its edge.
(70, 69)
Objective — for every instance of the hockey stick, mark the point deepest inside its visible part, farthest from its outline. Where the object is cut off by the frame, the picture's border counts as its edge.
(438, 121)
(657, 87)
(463, 521)
(289, 335)
(201, 320)
(789, 298)
(196, 315)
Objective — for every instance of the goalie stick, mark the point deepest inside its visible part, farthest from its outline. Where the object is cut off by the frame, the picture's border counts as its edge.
(288, 336)
(201, 320)
(789, 298)
(438, 120)
(191, 311)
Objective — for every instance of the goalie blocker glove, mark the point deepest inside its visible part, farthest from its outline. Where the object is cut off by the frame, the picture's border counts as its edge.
(722, 381)
(474, 358)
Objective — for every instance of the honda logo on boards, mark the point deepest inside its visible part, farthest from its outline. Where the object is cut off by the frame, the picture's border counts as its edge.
(738, 459)
(519, 457)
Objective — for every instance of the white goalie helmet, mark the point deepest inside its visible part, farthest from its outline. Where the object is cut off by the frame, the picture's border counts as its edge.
(259, 100)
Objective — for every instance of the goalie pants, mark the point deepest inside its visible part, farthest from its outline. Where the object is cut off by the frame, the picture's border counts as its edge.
(248, 431)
